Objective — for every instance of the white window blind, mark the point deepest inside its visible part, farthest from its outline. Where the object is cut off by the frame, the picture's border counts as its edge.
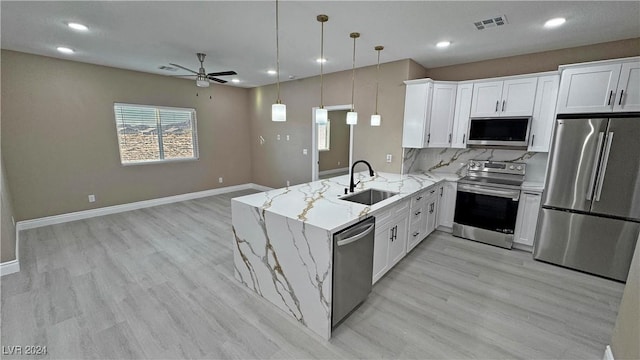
(155, 134)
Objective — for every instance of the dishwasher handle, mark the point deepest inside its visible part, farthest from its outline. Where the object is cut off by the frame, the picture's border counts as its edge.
(356, 237)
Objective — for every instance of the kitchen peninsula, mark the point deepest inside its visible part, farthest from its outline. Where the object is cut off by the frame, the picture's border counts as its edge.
(283, 246)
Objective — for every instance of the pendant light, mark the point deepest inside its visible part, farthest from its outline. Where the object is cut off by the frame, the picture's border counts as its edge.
(278, 110)
(352, 116)
(376, 119)
(322, 116)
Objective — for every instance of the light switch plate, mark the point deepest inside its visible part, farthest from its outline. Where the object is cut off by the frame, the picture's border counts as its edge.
(389, 157)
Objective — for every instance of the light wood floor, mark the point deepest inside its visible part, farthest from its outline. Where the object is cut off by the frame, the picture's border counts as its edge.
(158, 283)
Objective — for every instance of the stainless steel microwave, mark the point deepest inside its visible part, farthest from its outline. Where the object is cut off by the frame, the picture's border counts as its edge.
(511, 132)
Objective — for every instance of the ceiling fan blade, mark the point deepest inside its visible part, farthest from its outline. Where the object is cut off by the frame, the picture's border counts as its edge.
(222, 73)
(190, 75)
(216, 79)
(183, 68)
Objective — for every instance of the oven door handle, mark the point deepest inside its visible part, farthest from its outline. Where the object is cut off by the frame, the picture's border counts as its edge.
(481, 190)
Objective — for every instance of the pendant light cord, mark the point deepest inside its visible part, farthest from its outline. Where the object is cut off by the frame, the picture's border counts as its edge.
(353, 72)
(377, 81)
(321, 62)
(277, 55)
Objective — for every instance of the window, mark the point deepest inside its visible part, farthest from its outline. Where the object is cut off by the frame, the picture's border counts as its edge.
(155, 134)
(323, 136)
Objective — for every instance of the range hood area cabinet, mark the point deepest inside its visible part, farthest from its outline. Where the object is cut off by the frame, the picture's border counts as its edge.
(600, 87)
(514, 97)
(428, 113)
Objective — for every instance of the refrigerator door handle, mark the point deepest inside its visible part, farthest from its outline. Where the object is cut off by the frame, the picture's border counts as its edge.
(603, 170)
(594, 171)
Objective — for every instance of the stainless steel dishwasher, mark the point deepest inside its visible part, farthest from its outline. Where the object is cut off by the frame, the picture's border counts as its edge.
(352, 268)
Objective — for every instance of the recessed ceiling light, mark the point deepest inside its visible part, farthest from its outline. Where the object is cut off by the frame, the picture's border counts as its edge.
(65, 50)
(235, 81)
(77, 26)
(271, 72)
(554, 22)
(443, 44)
(319, 60)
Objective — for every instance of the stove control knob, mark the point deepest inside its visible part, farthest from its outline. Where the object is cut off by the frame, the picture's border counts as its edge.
(511, 167)
(519, 167)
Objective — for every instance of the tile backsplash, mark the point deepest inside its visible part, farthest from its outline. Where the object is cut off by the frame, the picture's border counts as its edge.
(455, 160)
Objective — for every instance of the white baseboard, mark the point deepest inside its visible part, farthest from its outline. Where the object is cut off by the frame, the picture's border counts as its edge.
(333, 171)
(608, 354)
(9, 267)
(108, 210)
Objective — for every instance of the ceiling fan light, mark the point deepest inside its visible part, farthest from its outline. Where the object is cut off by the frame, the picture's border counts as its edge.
(352, 118)
(279, 112)
(376, 120)
(202, 83)
(322, 116)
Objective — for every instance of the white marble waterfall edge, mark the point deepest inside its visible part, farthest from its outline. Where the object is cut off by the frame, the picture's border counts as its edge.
(285, 261)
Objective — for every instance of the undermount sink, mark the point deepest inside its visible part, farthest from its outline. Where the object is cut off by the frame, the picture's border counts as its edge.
(369, 197)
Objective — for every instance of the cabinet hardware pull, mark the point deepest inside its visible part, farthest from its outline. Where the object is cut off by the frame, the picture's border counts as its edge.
(418, 213)
(441, 191)
(497, 103)
(621, 94)
(533, 137)
(416, 234)
(503, 103)
(463, 137)
(450, 135)
(610, 95)
(429, 138)
(431, 208)
(419, 198)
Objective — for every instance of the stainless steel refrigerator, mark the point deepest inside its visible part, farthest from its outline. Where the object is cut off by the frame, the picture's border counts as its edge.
(590, 215)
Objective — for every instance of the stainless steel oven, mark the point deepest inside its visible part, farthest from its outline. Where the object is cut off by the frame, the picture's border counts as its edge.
(487, 202)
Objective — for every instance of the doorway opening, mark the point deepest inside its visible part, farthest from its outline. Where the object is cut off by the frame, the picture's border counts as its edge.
(332, 144)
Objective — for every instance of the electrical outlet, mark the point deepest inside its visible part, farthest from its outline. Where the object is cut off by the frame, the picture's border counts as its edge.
(304, 151)
(92, 198)
(338, 162)
(288, 137)
(278, 137)
(389, 157)
(220, 179)
(288, 183)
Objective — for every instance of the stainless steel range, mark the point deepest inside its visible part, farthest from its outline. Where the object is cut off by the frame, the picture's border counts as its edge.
(487, 202)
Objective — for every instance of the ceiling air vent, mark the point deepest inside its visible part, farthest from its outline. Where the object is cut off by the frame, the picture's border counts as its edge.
(167, 68)
(492, 22)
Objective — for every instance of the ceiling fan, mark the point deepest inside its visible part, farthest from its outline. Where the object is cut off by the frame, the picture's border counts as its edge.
(202, 78)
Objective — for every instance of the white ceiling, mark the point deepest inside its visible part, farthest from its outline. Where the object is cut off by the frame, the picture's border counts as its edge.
(240, 35)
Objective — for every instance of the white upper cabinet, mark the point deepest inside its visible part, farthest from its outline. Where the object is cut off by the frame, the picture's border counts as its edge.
(604, 87)
(443, 105)
(514, 97)
(417, 107)
(428, 113)
(628, 95)
(544, 113)
(461, 115)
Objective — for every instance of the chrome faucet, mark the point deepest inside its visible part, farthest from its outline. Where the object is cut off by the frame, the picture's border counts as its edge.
(352, 186)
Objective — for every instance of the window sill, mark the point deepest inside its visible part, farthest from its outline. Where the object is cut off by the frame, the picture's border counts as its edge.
(158, 161)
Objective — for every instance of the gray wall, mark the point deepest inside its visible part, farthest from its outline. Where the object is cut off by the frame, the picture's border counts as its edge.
(8, 230)
(59, 139)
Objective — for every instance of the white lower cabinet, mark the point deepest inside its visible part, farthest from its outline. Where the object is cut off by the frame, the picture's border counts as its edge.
(390, 238)
(447, 205)
(527, 218)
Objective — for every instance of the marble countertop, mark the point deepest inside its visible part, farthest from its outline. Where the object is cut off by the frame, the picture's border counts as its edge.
(318, 203)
